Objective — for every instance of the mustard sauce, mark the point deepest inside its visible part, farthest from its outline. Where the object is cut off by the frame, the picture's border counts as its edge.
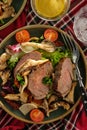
(50, 8)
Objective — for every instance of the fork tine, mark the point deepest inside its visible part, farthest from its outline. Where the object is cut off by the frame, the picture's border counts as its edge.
(75, 48)
(64, 40)
(70, 44)
(67, 42)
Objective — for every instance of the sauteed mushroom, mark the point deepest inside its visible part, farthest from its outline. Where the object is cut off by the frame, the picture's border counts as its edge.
(23, 97)
(47, 46)
(30, 63)
(4, 73)
(4, 76)
(6, 10)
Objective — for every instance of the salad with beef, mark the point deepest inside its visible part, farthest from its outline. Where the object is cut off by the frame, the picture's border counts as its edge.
(37, 74)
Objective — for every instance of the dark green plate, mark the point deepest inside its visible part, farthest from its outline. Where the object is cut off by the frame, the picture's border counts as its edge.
(37, 30)
(18, 6)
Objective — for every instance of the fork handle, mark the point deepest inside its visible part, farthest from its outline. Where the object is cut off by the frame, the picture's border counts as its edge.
(83, 90)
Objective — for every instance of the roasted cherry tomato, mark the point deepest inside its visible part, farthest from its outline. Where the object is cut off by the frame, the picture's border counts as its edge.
(22, 36)
(36, 115)
(51, 35)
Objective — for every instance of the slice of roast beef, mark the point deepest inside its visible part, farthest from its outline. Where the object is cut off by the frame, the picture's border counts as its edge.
(63, 76)
(36, 86)
(32, 55)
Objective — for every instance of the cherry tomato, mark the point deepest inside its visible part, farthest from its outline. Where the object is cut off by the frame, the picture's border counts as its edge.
(36, 115)
(22, 36)
(51, 35)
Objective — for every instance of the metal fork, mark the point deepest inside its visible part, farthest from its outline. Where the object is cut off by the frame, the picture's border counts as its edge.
(75, 58)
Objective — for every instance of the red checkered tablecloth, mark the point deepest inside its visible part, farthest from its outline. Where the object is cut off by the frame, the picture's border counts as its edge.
(77, 119)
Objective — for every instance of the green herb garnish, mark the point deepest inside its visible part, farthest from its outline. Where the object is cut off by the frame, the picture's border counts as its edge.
(20, 79)
(12, 62)
(47, 81)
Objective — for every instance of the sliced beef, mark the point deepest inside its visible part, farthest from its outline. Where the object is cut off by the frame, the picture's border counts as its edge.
(36, 86)
(63, 76)
(32, 55)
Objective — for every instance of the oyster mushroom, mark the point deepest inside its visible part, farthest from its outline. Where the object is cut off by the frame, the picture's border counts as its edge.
(45, 106)
(3, 66)
(4, 76)
(6, 10)
(9, 11)
(70, 97)
(4, 57)
(57, 104)
(49, 47)
(30, 63)
(9, 2)
(23, 97)
(21, 89)
(52, 98)
(14, 97)
(33, 39)
(4, 72)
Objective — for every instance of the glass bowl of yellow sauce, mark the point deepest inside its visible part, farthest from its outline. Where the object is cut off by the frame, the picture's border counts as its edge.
(50, 10)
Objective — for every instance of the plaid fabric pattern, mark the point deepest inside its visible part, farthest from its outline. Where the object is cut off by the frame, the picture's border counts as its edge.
(66, 23)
